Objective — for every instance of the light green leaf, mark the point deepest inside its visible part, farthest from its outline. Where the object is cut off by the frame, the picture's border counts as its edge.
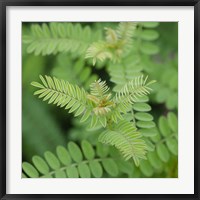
(143, 99)
(125, 166)
(60, 174)
(40, 164)
(72, 172)
(163, 126)
(162, 152)
(63, 155)
(143, 116)
(149, 24)
(36, 84)
(110, 167)
(75, 152)
(87, 150)
(172, 144)
(84, 170)
(30, 170)
(142, 124)
(150, 145)
(85, 116)
(102, 150)
(154, 160)
(149, 35)
(173, 121)
(96, 168)
(141, 107)
(149, 48)
(146, 168)
(52, 160)
(150, 132)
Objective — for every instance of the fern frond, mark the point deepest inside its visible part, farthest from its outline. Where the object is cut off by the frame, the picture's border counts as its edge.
(72, 162)
(116, 44)
(99, 51)
(127, 139)
(129, 68)
(63, 94)
(75, 99)
(126, 30)
(166, 147)
(59, 37)
(111, 35)
(134, 89)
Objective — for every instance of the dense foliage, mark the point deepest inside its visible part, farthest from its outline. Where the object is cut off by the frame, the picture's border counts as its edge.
(114, 119)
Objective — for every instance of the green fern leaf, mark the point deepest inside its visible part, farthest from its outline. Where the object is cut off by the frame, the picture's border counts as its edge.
(59, 37)
(118, 42)
(30, 170)
(133, 89)
(69, 163)
(110, 167)
(125, 138)
(96, 168)
(99, 88)
(63, 94)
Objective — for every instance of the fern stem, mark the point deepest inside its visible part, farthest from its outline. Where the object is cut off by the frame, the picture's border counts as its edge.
(132, 112)
(166, 138)
(76, 164)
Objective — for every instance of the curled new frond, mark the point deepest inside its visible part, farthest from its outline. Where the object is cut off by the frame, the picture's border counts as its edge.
(127, 140)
